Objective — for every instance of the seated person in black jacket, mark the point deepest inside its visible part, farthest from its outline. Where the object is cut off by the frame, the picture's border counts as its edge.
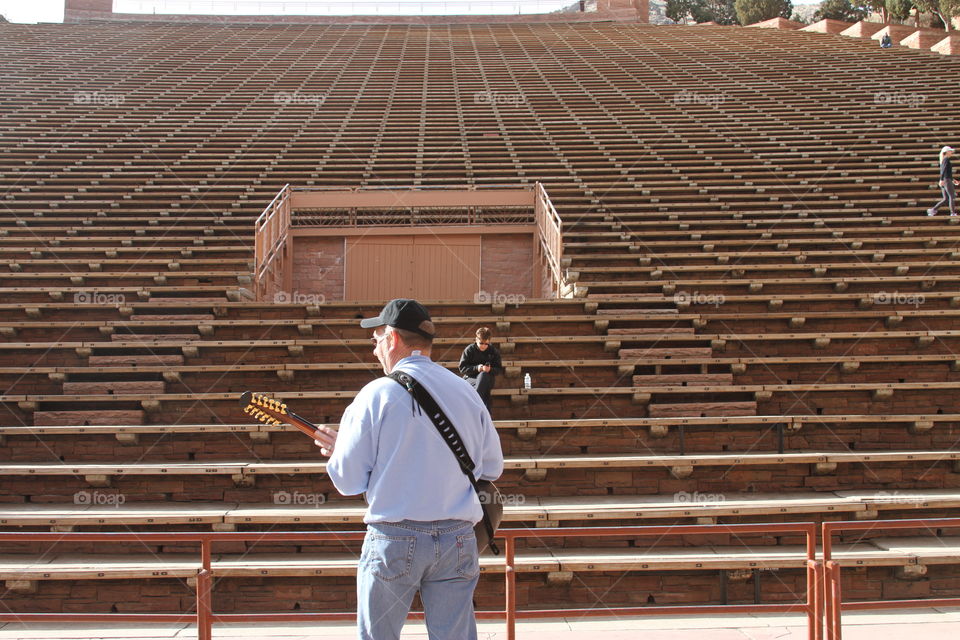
(480, 364)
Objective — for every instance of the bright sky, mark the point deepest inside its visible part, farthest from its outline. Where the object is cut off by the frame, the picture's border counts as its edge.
(52, 10)
(32, 11)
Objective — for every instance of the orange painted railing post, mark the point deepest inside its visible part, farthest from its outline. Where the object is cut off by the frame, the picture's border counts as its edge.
(826, 586)
(812, 600)
(204, 589)
(510, 575)
(818, 603)
(835, 597)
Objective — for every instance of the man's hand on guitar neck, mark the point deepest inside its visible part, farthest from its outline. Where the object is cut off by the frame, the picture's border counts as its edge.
(326, 438)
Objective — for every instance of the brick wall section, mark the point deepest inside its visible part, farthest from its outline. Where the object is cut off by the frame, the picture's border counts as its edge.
(318, 267)
(507, 266)
(337, 593)
(291, 445)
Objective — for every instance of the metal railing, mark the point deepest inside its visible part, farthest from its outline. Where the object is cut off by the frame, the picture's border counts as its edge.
(550, 233)
(832, 590)
(812, 607)
(204, 615)
(271, 232)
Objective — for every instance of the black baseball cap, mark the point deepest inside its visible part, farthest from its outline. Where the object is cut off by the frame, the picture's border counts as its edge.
(403, 313)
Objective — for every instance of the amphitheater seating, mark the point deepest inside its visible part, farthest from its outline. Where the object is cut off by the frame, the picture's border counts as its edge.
(879, 553)
(759, 322)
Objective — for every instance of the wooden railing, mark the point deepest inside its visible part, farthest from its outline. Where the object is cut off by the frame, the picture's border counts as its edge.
(550, 235)
(271, 250)
(333, 207)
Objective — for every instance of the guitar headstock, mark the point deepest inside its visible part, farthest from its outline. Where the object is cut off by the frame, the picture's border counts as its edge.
(273, 412)
(265, 409)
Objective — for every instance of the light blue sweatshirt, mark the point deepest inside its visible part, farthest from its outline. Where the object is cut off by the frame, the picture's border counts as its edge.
(388, 448)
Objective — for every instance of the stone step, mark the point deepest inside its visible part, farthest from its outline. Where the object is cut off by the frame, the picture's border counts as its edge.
(188, 301)
(84, 418)
(684, 380)
(154, 337)
(632, 297)
(115, 387)
(154, 317)
(702, 409)
(672, 352)
(127, 360)
(653, 331)
(616, 312)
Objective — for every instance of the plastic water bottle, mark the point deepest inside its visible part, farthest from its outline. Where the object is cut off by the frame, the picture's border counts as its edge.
(527, 383)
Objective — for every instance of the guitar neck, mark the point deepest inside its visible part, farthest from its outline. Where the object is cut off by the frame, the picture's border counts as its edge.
(301, 423)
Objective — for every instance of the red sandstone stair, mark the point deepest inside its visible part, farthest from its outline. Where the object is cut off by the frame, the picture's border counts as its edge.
(699, 403)
(82, 418)
(143, 383)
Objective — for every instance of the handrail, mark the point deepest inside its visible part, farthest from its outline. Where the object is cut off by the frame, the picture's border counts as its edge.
(832, 592)
(271, 229)
(550, 234)
(813, 606)
(205, 617)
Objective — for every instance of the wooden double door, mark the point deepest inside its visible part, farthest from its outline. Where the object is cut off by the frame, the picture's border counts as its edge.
(428, 267)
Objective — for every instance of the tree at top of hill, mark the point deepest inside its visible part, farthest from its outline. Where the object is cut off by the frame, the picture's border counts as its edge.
(753, 11)
(841, 10)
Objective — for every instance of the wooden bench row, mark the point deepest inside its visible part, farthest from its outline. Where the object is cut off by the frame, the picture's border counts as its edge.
(882, 552)
(101, 510)
(659, 342)
(641, 395)
(679, 466)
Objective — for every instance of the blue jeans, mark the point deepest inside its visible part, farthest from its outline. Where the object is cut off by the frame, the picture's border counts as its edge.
(437, 558)
(483, 383)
